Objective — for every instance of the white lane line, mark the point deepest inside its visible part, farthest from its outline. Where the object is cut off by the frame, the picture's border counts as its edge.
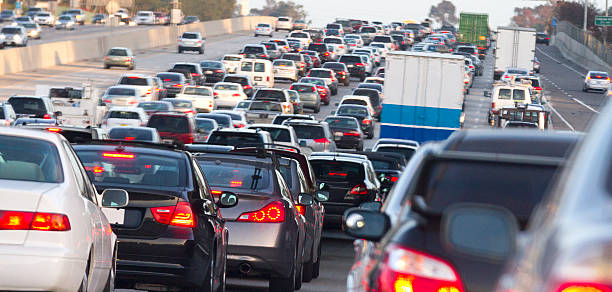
(585, 105)
(568, 67)
(561, 117)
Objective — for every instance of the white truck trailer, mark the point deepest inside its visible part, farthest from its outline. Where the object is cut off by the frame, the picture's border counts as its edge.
(80, 106)
(423, 96)
(514, 48)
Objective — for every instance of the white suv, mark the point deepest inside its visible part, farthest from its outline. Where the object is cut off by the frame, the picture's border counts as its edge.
(284, 23)
(595, 80)
(145, 18)
(14, 35)
(191, 41)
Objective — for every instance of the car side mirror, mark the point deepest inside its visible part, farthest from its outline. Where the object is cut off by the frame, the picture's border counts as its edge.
(480, 230)
(323, 187)
(57, 113)
(487, 93)
(303, 143)
(372, 206)
(321, 196)
(333, 112)
(305, 199)
(227, 200)
(115, 198)
(366, 224)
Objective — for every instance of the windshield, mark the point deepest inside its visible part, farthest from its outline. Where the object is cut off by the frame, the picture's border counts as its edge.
(190, 35)
(131, 134)
(368, 30)
(234, 139)
(335, 122)
(205, 124)
(309, 131)
(253, 50)
(328, 170)
(266, 106)
(407, 152)
(236, 174)
(197, 91)
(278, 134)
(117, 52)
(154, 106)
(336, 66)
(165, 77)
(186, 67)
(320, 74)
(353, 111)
(178, 103)
(263, 25)
(231, 87)
(41, 164)
(121, 91)
(276, 95)
(283, 63)
(24, 105)
(29, 25)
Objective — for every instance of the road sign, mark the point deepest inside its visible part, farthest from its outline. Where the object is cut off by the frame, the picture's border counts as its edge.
(554, 22)
(603, 20)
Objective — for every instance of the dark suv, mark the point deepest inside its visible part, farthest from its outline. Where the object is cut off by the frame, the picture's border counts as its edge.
(355, 65)
(171, 233)
(245, 81)
(323, 51)
(173, 127)
(173, 82)
(213, 70)
(33, 106)
(195, 69)
(342, 72)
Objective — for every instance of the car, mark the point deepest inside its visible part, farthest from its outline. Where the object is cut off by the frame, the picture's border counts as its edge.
(191, 41)
(280, 134)
(14, 35)
(299, 59)
(347, 132)
(375, 86)
(284, 23)
(375, 98)
(536, 83)
(173, 127)
(285, 69)
(299, 24)
(184, 106)
(67, 22)
(122, 95)
(322, 50)
(258, 70)
(140, 134)
(407, 148)
(329, 76)
(77, 14)
(124, 117)
(367, 34)
(350, 180)
(377, 80)
(388, 167)
(263, 29)
(536, 65)
(298, 105)
(400, 42)
(281, 118)
(39, 107)
(239, 138)
(358, 40)
(7, 114)
(99, 18)
(373, 53)
(43, 18)
(596, 80)
(277, 95)
(144, 84)
(203, 128)
(223, 120)
(269, 231)
(191, 19)
(358, 100)
(145, 18)
(32, 11)
(282, 44)
(73, 134)
(302, 36)
(173, 82)
(309, 95)
(509, 96)
(295, 45)
(238, 118)
(58, 212)
(509, 74)
(7, 15)
(313, 134)
(340, 69)
(355, 66)
(338, 43)
(272, 49)
(542, 38)
(244, 81)
(361, 113)
(161, 18)
(195, 69)
(213, 70)
(351, 44)
(428, 187)
(228, 94)
(254, 51)
(201, 97)
(314, 56)
(120, 57)
(32, 30)
(232, 62)
(334, 26)
(322, 88)
(262, 111)
(170, 200)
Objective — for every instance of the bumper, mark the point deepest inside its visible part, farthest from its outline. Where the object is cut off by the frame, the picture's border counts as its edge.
(357, 71)
(348, 142)
(598, 86)
(310, 104)
(191, 47)
(118, 63)
(285, 74)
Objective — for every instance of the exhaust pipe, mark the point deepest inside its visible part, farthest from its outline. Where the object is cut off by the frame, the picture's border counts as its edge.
(245, 268)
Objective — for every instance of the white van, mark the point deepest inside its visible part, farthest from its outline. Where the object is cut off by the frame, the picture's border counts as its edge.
(260, 71)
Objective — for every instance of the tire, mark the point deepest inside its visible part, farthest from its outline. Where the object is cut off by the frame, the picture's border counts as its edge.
(371, 135)
(584, 88)
(326, 102)
(362, 78)
(112, 275)
(201, 51)
(358, 148)
(317, 109)
(284, 284)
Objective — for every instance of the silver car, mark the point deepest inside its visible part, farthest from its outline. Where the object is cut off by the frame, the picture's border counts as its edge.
(14, 35)
(32, 29)
(65, 22)
(313, 134)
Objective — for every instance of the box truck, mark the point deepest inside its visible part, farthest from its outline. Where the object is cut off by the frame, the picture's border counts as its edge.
(423, 96)
(474, 29)
(515, 48)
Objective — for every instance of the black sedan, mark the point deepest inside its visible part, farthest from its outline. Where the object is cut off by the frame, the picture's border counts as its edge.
(342, 73)
(347, 132)
(214, 71)
(361, 113)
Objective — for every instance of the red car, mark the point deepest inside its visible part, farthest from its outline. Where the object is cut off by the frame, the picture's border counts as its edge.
(173, 127)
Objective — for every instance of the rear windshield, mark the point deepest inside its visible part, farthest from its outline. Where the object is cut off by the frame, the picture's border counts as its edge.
(187, 35)
(29, 106)
(177, 103)
(278, 134)
(133, 168)
(236, 174)
(170, 77)
(355, 101)
(132, 80)
(342, 123)
(382, 39)
(599, 76)
(283, 19)
(327, 170)
(332, 41)
(66, 93)
(368, 29)
(41, 164)
(235, 139)
(407, 152)
(253, 50)
(266, 106)
(378, 163)
(470, 50)
(371, 93)
(294, 57)
(209, 64)
(263, 25)
(298, 35)
(197, 91)
(239, 80)
(276, 95)
(313, 81)
(352, 110)
(308, 131)
(320, 74)
(335, 66)
(283, 63)
(223, 121)
(123, 115)
(230, 58)
(186, 67)
(271, 46)
(350, 59)
(317, 47)
(11, 30)
(334, 26)
(233, 116)
(169, 124)
(303, 88)
(226, 87)
(205, 124)
(121, 133)
(121, 91)
(154, 106)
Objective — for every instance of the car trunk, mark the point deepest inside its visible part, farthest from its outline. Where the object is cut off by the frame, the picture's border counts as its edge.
(246, 203)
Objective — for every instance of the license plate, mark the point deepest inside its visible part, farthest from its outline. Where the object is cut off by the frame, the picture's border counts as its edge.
(114, 216)
(257, 78)
(338, 134)
(123, 125)
(208, 72)
(350, 66)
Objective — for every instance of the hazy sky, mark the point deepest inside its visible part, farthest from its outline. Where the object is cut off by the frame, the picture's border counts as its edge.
(322, 12)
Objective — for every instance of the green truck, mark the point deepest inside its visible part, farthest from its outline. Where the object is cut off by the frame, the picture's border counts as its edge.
(474, 28)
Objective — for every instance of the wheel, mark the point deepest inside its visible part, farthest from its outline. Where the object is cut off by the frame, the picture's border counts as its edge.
(584, 88)
(110, 281)
(317, 109)
(180, 50)
(309, 266)
(201, 51)
(347, 82)
(334, 92)
(371, 135)
(317, 264)
(284, 284)
(209, 282)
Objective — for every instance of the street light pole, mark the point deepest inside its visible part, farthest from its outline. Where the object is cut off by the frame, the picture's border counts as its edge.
(586, 3)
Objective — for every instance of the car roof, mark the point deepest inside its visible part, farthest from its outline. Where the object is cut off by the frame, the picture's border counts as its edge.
(237, 75)
(135, 75)
(359, 97)
(268, 126)
(27, 96)
(396, 141)
(304, 122)
(31, 133)
(125, 109)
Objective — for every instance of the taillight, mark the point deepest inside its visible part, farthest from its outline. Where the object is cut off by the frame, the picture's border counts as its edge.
(367, 121)
(410, 270)
(301, 209)
(359, 64)
(20, 220)
(354, 134)
(178, 85)
(247, 87)
(493, 105)
(359, 189)
(180, 215)
(394, 178)
(506, 76)
(537, 88)
(471, 67)
(271, 213)
(195, 74)
(321, 140)
(583, 287)
(218, 71)
(47, 117)
(54, 130)
(236, 95)
(326, 54)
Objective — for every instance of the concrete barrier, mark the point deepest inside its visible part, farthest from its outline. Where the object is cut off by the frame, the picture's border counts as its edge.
(45, 55)
(579, 53)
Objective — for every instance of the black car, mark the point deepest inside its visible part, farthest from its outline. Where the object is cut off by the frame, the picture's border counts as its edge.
(375, 99)
(347, 132)
(400, 42)
(362, 114)
(172, 232)
(349, 179)
(342, 72)
(470, 168)
(279, 119)
(173, 82)
(196, 71)
(245, 81)
(213, 70)
(542, 38)
(323, 51)
(355, 65)
(223, 120)
(375, 86)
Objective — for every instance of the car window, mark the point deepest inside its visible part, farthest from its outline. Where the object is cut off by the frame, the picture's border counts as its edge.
(320, 73)
(42, 164)
(231, 87)
(504, 93)
(518, 94)
(11, 30)
(234, 139)
(121, 133)
(352, 110)
(236, 174)
(207, 64)
(342, 123)
(173, 124)
(253, 50)
(337, 66)
(332, 41)
(121, 91)
(308, 131)
(239, 80)
(231, 58)
(223, 121)
(204, 124)
(170, 77)
(32, 106)
(260, 67)
(123, 115)
(133, 80)
(407, 152)
(186, 67)
(177, 103)
(246, 66)
(276, 95)
(283, 63)
(303, 88)
(355, 101)
(187, 35)
(197, 91)
(265, 106)
(278, 134)
(328, 170)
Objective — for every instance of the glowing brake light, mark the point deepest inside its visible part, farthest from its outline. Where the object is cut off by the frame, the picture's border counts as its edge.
(583, 287)
(20, 220)
(537, 88)
(118, 155)
(271, 213)
(354, 134)
(180, 215)
(216, 192)
(321, 140)
(394, 178)
(359, 189)
(367, 121)
(47, 117)
(337, 174)
(54, 130)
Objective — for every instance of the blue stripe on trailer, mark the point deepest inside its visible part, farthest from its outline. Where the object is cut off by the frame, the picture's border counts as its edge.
(417, 133)
(421, 116)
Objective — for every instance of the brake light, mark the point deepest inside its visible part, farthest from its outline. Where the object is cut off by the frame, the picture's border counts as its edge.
(367, 121)
(410, 270)
(247, 87)
(583, 287)
(215, 192)
(180, 215)
(95, 169)
(20, 220)
(394, 178)
(54, 130)
(359, 64)
(608, 79)
(359, 189)
(547, 38)
(326, 54)
(47, 117)
(337, 174)
(506, 76)
(537, 88)
(353, 134)
(342, 73)
(236, 95)
(178, 85)
(271, 213)
(195, 74)
(118, 155)
(218, 71)
(471, 67)
(493, 105)
(321, 140)
(133, 77)
(301, 209)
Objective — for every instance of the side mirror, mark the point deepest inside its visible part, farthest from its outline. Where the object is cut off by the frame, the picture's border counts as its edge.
(480, 230)
(333, 112)
(321, 196)
(366, 224)
(303, 143)
(115, 198)
(487, 93)
(337, 104)
(323, 187)
(371, 206)
(305, 199)
(57, 113)
(228, 200)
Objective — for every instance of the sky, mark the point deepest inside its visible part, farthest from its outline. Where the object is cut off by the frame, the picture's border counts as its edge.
(322, 12)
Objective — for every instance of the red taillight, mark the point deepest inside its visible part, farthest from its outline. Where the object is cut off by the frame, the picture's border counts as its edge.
(301, 209)
(343, 174)
(547, 38)
(95, 169)
(354, 134)
(321, 140)
(180, 215)
(236, 95)
(195, 74)
(410, 270)
(359, 64)
(247, 87)
(130, 138)
(359, 189)
(47, 117)
(506, 76)
(537, 88)
(471, 67)
(19, 220)
(326, 54)
(583, 287)
(493, 105)
(215, 93)
(218, 71)
(271, 213)
(394, 178)
(342, 73)
(178, 85)
(119, 155)
(216, 192)
(367, 121)
(54, 130)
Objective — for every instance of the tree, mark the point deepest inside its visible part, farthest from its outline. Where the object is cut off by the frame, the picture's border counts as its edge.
(209, 9)
(444, 12)
(574, 13)
(538, 17)
(281, 8)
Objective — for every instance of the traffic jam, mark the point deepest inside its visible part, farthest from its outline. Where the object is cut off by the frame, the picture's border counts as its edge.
(240, 167)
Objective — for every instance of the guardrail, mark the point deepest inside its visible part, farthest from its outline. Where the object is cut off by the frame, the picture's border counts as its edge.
(596, 46)
(45, 55)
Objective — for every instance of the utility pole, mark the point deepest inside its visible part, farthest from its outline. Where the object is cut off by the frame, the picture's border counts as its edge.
(586, 7)
(605, 38)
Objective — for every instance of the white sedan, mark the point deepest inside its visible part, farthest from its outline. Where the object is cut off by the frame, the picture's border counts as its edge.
(201, 97)
(53, 233)
(285, 69)
(228, 94)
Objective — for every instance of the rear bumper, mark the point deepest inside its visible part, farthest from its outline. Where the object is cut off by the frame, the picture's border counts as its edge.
(118, 63)
(348, 143)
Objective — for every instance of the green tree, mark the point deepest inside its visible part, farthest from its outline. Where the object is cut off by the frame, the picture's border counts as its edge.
(281, 8)
(444, 12)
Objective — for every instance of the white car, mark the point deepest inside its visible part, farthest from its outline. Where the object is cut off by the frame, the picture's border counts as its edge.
(122, 95)
(65, 22)
(239, 119)
(263, 29)
(284, 23)
(356, 37)
(338, 43)
(54, 235)
(228, 94)
(14, 35)
(595, 80)
(302, 36)
(144, 83)
(191, 41)
(358, 100)
(124, 117)
(285, 69)
(145, 18)
(44, 18)
(232, 62)
(382, 48)
(511, 73)
(201, 97)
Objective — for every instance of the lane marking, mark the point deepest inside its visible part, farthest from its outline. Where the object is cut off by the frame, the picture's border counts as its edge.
(585, 105)
(561, 117)
(559, 62)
